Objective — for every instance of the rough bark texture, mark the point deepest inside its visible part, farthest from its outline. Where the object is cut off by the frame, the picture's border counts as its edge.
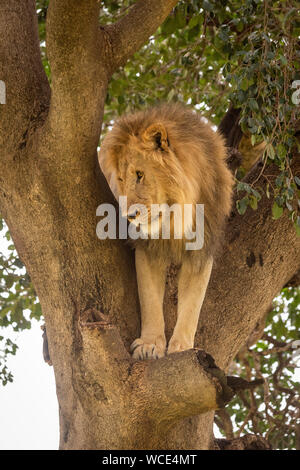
(248, 442)
(50, 186)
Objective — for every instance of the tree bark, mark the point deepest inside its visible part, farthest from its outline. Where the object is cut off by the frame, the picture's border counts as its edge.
(50, 187)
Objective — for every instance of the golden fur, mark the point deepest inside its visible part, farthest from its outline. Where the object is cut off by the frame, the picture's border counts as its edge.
(183, 161)
(168, 154)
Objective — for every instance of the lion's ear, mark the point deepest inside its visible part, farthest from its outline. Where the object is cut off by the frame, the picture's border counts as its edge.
(157, 133)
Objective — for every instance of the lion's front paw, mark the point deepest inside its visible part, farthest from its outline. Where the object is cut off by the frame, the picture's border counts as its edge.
(178, 344)
(148, 349)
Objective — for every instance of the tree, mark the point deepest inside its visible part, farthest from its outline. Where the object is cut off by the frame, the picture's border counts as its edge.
(218, 55)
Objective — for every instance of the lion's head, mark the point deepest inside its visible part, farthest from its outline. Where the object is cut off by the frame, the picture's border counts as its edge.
(167, 155)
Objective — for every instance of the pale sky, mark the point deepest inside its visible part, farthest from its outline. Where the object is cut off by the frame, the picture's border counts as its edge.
(28, 406)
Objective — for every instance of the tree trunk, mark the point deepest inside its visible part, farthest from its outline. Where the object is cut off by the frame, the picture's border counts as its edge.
(50, 188)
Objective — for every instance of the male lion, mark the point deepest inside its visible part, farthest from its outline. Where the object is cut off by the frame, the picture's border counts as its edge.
(169, 155)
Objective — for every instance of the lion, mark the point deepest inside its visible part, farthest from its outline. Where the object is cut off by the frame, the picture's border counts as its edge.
(169, 155)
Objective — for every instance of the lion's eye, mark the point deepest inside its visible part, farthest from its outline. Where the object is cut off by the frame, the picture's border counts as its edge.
(139, 176)
(120, 179)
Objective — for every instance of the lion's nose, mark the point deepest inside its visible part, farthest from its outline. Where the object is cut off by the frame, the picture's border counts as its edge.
(133, 214)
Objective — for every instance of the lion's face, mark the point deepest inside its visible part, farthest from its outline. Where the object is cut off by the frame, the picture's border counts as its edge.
(145, 170)
(142, 183)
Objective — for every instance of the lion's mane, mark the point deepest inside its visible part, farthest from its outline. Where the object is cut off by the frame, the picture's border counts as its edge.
(192, 164)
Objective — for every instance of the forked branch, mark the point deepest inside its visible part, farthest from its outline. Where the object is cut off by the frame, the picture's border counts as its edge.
(132, 31)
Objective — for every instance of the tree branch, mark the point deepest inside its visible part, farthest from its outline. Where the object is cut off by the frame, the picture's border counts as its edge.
(46, 354)
(180, 385)
(223, 421)
(240, 149)
(76, 49)
(27, 88)
(230, 128)
(174, 387)
(237, 383)
(294, 281)
(247, 442)
(132, 31)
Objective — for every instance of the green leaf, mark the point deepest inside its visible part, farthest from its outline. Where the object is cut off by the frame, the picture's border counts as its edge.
(169, 26)
(207, 5)
(194, 21)
(242, 205)
(244, 84)
(253, 104)
(171, 94)
(282, 151)
(243, 187)
(253, 202)
(283, 60)
(270, 151)
(276, 211)
(18, 263)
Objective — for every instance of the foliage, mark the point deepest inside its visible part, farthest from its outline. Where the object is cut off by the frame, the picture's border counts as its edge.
(7, 347)
(213, 53)
(17, 300)
(210, 54)
(272, 410)
(41, 9)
